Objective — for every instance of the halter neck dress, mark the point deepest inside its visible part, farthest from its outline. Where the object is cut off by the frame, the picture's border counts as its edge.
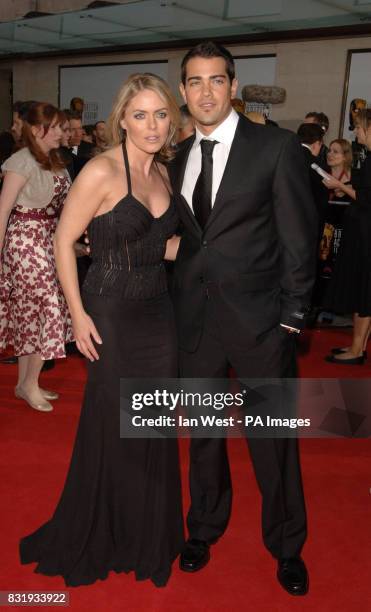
(121, 504)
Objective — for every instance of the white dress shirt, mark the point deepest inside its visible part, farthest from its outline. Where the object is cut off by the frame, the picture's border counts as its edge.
(224, 134)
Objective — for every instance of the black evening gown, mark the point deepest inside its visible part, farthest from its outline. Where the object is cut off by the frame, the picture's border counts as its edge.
(121, 504)
(350, 287)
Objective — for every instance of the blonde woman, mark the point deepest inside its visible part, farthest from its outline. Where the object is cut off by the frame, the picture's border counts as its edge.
(339, 161)
(350, 289)
(121, 505)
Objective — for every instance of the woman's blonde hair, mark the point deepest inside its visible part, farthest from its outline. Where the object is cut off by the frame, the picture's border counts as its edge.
(363, 118)
(346, 148)
(133, 85)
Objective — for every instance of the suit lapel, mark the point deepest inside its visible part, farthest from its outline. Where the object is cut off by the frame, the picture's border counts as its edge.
(241, 150)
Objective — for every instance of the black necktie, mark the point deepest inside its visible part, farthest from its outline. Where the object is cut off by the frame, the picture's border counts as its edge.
(201, 198)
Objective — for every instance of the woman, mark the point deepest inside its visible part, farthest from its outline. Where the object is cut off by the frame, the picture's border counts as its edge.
(33, 313)
(339, 161)
(121, 506)
(340, 196)
(350, 289)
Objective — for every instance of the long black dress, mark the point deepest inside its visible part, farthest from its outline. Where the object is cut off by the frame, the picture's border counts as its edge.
(350, 287)
(121, 504)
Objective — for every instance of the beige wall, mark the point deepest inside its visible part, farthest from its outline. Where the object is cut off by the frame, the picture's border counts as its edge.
(311, 71)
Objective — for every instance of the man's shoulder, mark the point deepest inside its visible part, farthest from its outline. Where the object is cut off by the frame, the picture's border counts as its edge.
(266, 133)
(86, 149)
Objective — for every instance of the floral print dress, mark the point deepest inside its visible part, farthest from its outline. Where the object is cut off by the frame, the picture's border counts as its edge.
(34, 317)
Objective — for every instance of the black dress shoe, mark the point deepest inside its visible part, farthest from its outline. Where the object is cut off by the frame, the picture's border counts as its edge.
(195, 556)
(293, 576)
(352, 361)
(339, 350)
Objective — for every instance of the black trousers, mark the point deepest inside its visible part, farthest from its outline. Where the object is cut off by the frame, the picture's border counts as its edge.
(275, 460)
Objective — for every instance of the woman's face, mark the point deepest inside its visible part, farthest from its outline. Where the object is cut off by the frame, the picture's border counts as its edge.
(335, 155)
(363, 136)
(52, 138)
(66, 134)
(147, 121)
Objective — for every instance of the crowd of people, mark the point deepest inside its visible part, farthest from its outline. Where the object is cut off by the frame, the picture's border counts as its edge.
(237, 205)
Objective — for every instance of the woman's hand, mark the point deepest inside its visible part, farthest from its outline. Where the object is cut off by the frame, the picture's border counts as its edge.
(339, 187)
(332, 183)
(84, 331)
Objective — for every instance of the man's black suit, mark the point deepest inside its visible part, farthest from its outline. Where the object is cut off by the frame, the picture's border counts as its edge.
(319, 191)
(251, 269)
(85, 151)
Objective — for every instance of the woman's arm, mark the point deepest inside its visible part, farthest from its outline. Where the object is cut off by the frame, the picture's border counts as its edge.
(333, 183)
(172, 246)
(12, 185)
(83, 201)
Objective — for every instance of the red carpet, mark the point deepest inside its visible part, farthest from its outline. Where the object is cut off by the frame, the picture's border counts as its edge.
(35, 452)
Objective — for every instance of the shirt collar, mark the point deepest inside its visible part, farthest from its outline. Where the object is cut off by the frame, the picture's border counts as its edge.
(223, 133)
(306, 146)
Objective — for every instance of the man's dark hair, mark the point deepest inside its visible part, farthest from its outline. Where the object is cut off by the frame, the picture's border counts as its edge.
(320, 118)
(207, 50)
(22, 108)
(89, 129)
(98, 122)
(309, 133)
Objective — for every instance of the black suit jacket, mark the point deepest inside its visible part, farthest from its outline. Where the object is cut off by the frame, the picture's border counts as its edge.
(257, 252)
(319, 191)
(85, 152)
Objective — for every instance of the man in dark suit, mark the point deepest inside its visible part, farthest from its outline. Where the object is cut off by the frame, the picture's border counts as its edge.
(80, 150)
(242, 283)
(77, 155)
(311, 138)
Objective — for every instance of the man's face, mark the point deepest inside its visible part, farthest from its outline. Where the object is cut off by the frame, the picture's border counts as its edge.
(16, 128)
(208, 92)
(316, 147)
(76, 132)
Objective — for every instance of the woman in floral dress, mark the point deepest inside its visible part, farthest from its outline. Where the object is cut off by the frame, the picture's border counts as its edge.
(34, 318)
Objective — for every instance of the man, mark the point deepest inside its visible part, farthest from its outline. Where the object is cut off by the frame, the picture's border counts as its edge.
(99, 134)
(81, 151)
(242, 282)
(311, 138)
(323, 121)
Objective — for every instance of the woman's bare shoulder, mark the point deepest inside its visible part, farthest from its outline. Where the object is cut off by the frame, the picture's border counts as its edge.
(102, 166)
